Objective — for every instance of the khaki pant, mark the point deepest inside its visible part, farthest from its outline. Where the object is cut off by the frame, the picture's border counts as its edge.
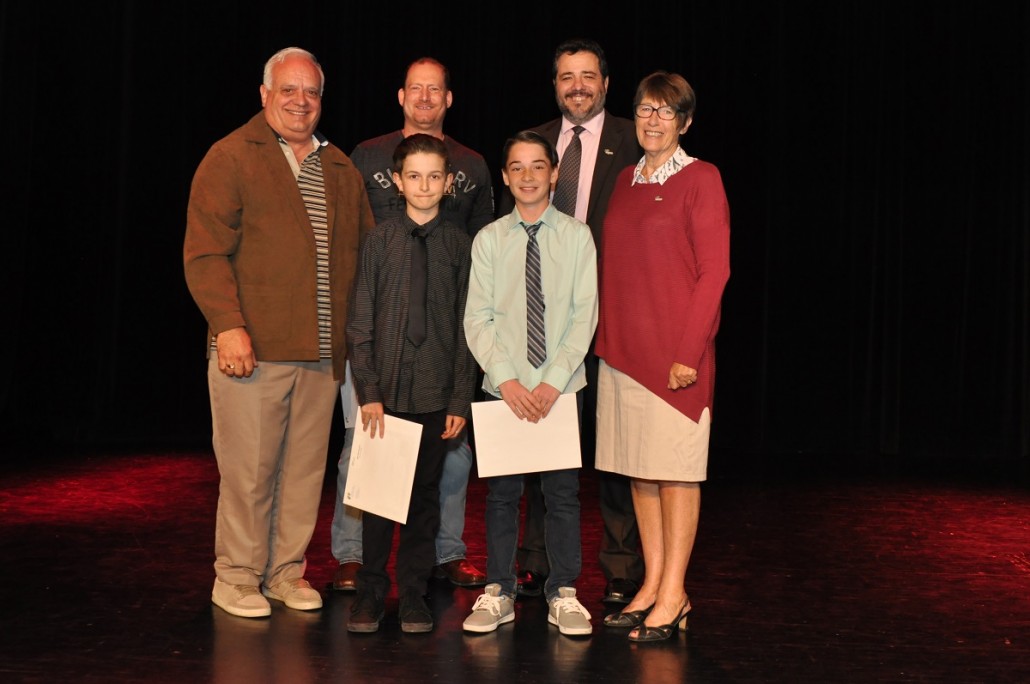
(270, 437)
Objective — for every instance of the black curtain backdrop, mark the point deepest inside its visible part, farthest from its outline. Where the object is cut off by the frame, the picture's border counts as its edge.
(876, 157)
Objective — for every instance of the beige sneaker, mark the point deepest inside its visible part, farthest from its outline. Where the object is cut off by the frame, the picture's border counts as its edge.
(295, 593)
(490, 610)
(568, 613)
(243, 600)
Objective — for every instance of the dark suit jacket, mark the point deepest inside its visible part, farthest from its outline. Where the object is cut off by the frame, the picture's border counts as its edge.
(617, 149)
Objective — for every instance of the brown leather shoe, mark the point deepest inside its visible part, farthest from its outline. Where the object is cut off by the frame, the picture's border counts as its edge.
(461, 573)
(346, 577)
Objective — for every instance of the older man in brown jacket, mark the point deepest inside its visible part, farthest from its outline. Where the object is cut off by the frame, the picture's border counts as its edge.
(275, 217)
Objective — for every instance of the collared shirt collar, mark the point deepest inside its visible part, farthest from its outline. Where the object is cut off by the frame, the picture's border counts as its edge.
(675, 163)
(318, 142)
(548, 218)
(428, 226)
(317, 139)
(593, 126)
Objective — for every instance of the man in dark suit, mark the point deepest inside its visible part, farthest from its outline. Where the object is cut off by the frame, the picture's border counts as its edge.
(608, 144)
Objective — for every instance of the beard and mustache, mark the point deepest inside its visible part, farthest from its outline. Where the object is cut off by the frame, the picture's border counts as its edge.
(573, 111)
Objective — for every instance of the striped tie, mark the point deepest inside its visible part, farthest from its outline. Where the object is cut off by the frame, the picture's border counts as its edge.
(567, 187)
(535, 339)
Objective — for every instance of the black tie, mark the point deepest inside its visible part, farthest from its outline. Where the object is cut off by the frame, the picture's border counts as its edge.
(567, 187)
(417, 293)
(535, 340)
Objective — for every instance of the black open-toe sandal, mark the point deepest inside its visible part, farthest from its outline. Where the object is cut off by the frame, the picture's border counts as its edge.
(627, 618)
(646, 633)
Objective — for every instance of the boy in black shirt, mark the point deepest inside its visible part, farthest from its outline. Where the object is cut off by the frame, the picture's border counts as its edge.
(409, 359)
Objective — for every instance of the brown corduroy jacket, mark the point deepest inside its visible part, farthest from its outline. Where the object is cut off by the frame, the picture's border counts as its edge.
(249, 253)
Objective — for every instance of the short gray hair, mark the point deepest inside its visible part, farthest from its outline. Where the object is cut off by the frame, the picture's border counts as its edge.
(280, 57)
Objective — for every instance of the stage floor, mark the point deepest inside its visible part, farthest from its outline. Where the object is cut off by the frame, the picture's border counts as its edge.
(107, 578)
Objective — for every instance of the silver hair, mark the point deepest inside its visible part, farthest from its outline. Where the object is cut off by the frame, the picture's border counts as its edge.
(280, 57)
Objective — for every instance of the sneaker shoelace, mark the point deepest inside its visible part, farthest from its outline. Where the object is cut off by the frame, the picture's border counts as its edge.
(489, 603)
(570, 605)
(244, 590)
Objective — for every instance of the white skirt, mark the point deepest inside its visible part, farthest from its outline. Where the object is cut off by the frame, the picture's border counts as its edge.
(641, 436)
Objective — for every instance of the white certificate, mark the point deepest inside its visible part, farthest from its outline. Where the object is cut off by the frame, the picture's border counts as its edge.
(349, 399)
(382, 470)
(506, 445)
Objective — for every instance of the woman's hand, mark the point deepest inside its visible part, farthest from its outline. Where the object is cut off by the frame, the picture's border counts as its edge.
(681, 376)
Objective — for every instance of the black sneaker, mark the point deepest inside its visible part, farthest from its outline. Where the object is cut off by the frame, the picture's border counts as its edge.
(366, 613)
(414, 614)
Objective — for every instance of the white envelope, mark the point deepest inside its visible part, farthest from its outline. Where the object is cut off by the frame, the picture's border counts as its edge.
(506, 445)
(382, 470)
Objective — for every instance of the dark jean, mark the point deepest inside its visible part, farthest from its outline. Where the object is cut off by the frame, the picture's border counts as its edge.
(416, 550)
(561, 529)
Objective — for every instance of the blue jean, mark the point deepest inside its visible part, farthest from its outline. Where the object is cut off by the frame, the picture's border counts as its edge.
(453, 486)
(561, 529)
(346, 528)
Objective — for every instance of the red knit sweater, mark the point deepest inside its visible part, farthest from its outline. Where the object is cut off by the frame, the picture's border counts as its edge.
(665, 260)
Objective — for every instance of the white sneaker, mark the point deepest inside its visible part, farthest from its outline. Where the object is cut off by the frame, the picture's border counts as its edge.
(295, 593)
(243, 600)
(568, 613)
(490, 610)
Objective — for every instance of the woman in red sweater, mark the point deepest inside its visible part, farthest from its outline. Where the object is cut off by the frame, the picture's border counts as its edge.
(664, 266)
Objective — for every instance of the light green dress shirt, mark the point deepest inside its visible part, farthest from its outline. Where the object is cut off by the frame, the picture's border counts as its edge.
(495, 312)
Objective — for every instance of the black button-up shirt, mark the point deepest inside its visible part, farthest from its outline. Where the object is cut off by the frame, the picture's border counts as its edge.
(440, 374)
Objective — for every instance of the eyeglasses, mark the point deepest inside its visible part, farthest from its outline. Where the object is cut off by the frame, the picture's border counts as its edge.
(645, 112)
